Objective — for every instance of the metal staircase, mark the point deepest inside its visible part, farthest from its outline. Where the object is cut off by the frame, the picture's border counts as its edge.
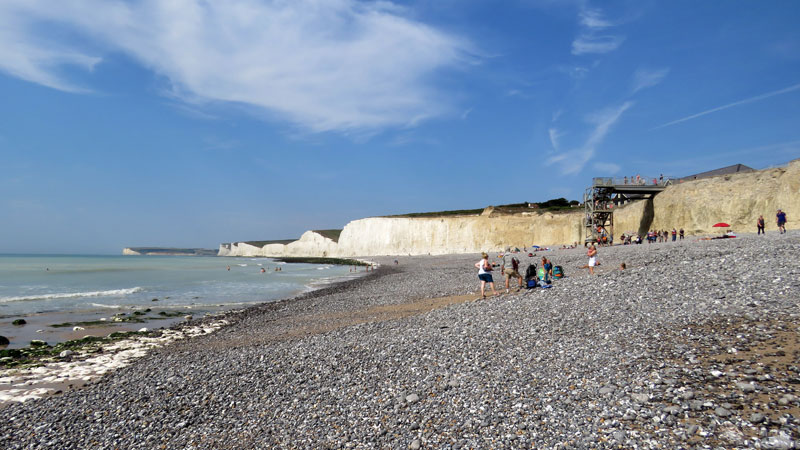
(605, 194)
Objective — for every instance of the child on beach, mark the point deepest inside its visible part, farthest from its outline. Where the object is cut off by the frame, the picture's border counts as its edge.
(592, 254)
(483, 274)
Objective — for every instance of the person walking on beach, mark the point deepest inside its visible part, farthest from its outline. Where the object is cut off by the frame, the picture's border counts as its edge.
(510, 268)
(760, 225)
(681, 233)
(674, 234)
(483, 274)
(780, 218)
(592, 254)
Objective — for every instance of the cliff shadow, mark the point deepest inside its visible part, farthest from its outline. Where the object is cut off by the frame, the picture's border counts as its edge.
(647, 217)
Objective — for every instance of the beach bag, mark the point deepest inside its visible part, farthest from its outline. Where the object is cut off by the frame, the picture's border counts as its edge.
(542, 273)
(558, 272)
(531, 284)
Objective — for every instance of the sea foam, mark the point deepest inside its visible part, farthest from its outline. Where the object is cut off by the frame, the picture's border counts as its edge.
(109, 293)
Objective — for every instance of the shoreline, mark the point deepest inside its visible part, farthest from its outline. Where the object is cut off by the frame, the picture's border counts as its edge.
(54, 375)
(51, 326)
(674, 351)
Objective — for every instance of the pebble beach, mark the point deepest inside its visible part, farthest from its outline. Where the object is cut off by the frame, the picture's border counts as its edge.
(695, 345)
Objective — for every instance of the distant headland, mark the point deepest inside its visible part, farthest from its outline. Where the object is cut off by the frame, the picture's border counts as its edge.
(164, 251)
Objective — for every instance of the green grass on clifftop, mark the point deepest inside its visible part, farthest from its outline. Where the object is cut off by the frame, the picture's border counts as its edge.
(263, 243)
(330, 234)
(553, 205)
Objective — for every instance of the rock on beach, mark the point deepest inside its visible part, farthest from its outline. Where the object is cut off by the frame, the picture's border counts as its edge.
(624, 359)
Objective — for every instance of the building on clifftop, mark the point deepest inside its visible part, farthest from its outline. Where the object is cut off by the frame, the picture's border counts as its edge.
(736, 168)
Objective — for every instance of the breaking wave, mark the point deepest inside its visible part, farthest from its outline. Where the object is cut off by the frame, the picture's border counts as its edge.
(110, 293)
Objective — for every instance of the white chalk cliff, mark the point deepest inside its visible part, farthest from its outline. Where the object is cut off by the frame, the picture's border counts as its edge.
(695, 206)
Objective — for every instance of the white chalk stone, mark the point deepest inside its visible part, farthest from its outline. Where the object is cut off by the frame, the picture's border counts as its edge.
(116, 355)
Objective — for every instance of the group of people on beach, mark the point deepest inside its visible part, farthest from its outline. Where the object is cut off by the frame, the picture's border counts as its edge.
(653, 236)
(509, 267)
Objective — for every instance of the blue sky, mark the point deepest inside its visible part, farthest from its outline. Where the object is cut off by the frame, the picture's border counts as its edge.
(195, 122)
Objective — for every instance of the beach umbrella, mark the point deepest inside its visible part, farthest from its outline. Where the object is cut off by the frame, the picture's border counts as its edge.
(721, 225)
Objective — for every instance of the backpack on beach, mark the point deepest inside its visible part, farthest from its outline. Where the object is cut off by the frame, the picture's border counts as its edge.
(530, 273)
(532, 283)
(558, 272)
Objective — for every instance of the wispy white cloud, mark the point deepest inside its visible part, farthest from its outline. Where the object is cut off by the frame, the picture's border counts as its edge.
(590, 40)
(645, 78)
(324, 65)
(29, 59)
(577, 72)
(518, 93)
(573, 161)
(591, 43)
(593, 18)
(731, 105)
(466, 113)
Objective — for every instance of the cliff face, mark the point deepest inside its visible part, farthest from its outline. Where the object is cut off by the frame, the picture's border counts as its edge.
(309, 244)
(694, 206)
(416, 236)
(636, 217)
(466, 234)
(734, 199)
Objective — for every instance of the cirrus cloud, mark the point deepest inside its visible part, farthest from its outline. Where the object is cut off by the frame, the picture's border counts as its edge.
(590, 41)
(573, 161)
(326, 65)
(645, 78)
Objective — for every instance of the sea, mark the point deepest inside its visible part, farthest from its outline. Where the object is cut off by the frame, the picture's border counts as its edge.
(94, 286)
